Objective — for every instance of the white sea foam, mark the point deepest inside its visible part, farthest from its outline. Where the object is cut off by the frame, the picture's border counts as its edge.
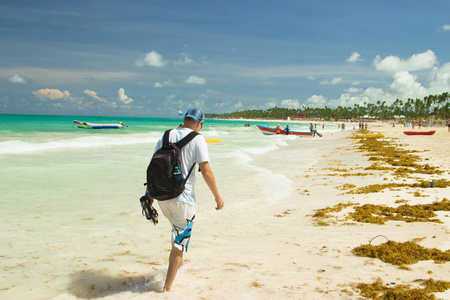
(278, 187)
(20, 147)
(271, 186)
(261, 149)
(214, 133)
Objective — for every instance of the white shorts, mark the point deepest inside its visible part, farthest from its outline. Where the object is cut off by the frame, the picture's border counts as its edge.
(181, 216)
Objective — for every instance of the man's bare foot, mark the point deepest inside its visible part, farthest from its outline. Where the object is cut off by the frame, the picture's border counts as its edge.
(185, 262)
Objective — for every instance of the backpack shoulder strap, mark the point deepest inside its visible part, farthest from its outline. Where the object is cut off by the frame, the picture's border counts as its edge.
(166, 136)
(183, 142)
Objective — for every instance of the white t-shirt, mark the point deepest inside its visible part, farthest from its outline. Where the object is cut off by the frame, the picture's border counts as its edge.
(196, 151)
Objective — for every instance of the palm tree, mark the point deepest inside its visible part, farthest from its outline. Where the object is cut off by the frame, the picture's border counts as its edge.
(442, 98)
(445, 111)
(407, 107)
(419, 108)
(428, 101)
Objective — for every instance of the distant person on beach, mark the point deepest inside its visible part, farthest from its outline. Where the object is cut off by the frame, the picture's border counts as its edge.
(180, 211)
(448, 125)
(287, 129)
(278, 129)
(311, 129)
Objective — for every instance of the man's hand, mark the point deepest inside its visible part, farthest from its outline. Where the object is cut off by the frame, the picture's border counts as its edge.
(219, 203)
(210, 180)
(149, 198)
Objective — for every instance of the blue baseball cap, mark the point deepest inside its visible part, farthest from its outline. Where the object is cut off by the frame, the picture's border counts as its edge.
(195, 114)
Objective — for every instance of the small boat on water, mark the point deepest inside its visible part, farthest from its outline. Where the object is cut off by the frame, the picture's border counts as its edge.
(370, 135)
(87, 125)
(271, 131)
(419, 132)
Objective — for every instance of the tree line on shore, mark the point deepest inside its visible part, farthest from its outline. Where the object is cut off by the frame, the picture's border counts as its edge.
(432, 107)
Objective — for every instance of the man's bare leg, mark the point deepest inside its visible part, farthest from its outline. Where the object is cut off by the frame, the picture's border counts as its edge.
(175, 262)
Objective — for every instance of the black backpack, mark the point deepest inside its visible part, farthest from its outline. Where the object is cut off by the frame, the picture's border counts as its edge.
(161, 182)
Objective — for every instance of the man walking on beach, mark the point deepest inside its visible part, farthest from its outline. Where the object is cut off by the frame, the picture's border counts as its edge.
(180, 211)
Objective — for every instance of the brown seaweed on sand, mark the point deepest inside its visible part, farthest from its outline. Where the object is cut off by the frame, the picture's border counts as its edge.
(380, 214)
(401, 161)
(379, 290)
(400, 254)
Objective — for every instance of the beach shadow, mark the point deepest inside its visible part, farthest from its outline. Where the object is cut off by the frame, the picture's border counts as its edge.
(96, 284)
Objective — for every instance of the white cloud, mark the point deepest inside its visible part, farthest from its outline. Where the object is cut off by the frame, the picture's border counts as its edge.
(290, 103)
(405, 85)
(151, 59)
(316, 101)
(354, 57)
(184, 60)
(163, 84)
(238, 105)
(393, 64)
(446, 27)
(441, 80)
(358, 96)
(94, 96)
(172, 104)
(52, 94)
(17, 78)
(62, 77)
(122, 97)
(373, 95)
(267, 105)
(195, 80)
(198, 103)
(353, 90)
(345, 100)
(333, 81)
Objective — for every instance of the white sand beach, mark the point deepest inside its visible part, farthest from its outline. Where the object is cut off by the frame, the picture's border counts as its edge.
(260, 247)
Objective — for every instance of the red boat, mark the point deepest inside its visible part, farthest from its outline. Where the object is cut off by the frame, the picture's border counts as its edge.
(419, 132)
(270, 130)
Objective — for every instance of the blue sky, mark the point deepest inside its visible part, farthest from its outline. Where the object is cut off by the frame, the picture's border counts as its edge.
(154, 58)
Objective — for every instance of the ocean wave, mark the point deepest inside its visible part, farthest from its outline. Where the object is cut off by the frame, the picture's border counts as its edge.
(20, 147)
(261, 149)
(270, 186)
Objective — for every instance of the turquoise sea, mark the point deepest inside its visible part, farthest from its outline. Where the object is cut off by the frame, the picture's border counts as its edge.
(69, 197)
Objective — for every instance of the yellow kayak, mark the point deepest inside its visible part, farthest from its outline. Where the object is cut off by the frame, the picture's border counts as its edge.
(212, 141)
(370, 135)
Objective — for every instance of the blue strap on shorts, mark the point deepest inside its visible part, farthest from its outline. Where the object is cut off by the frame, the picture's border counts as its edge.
(186, 234)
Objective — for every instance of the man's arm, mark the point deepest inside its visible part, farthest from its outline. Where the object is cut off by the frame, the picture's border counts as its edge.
(210, 180)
